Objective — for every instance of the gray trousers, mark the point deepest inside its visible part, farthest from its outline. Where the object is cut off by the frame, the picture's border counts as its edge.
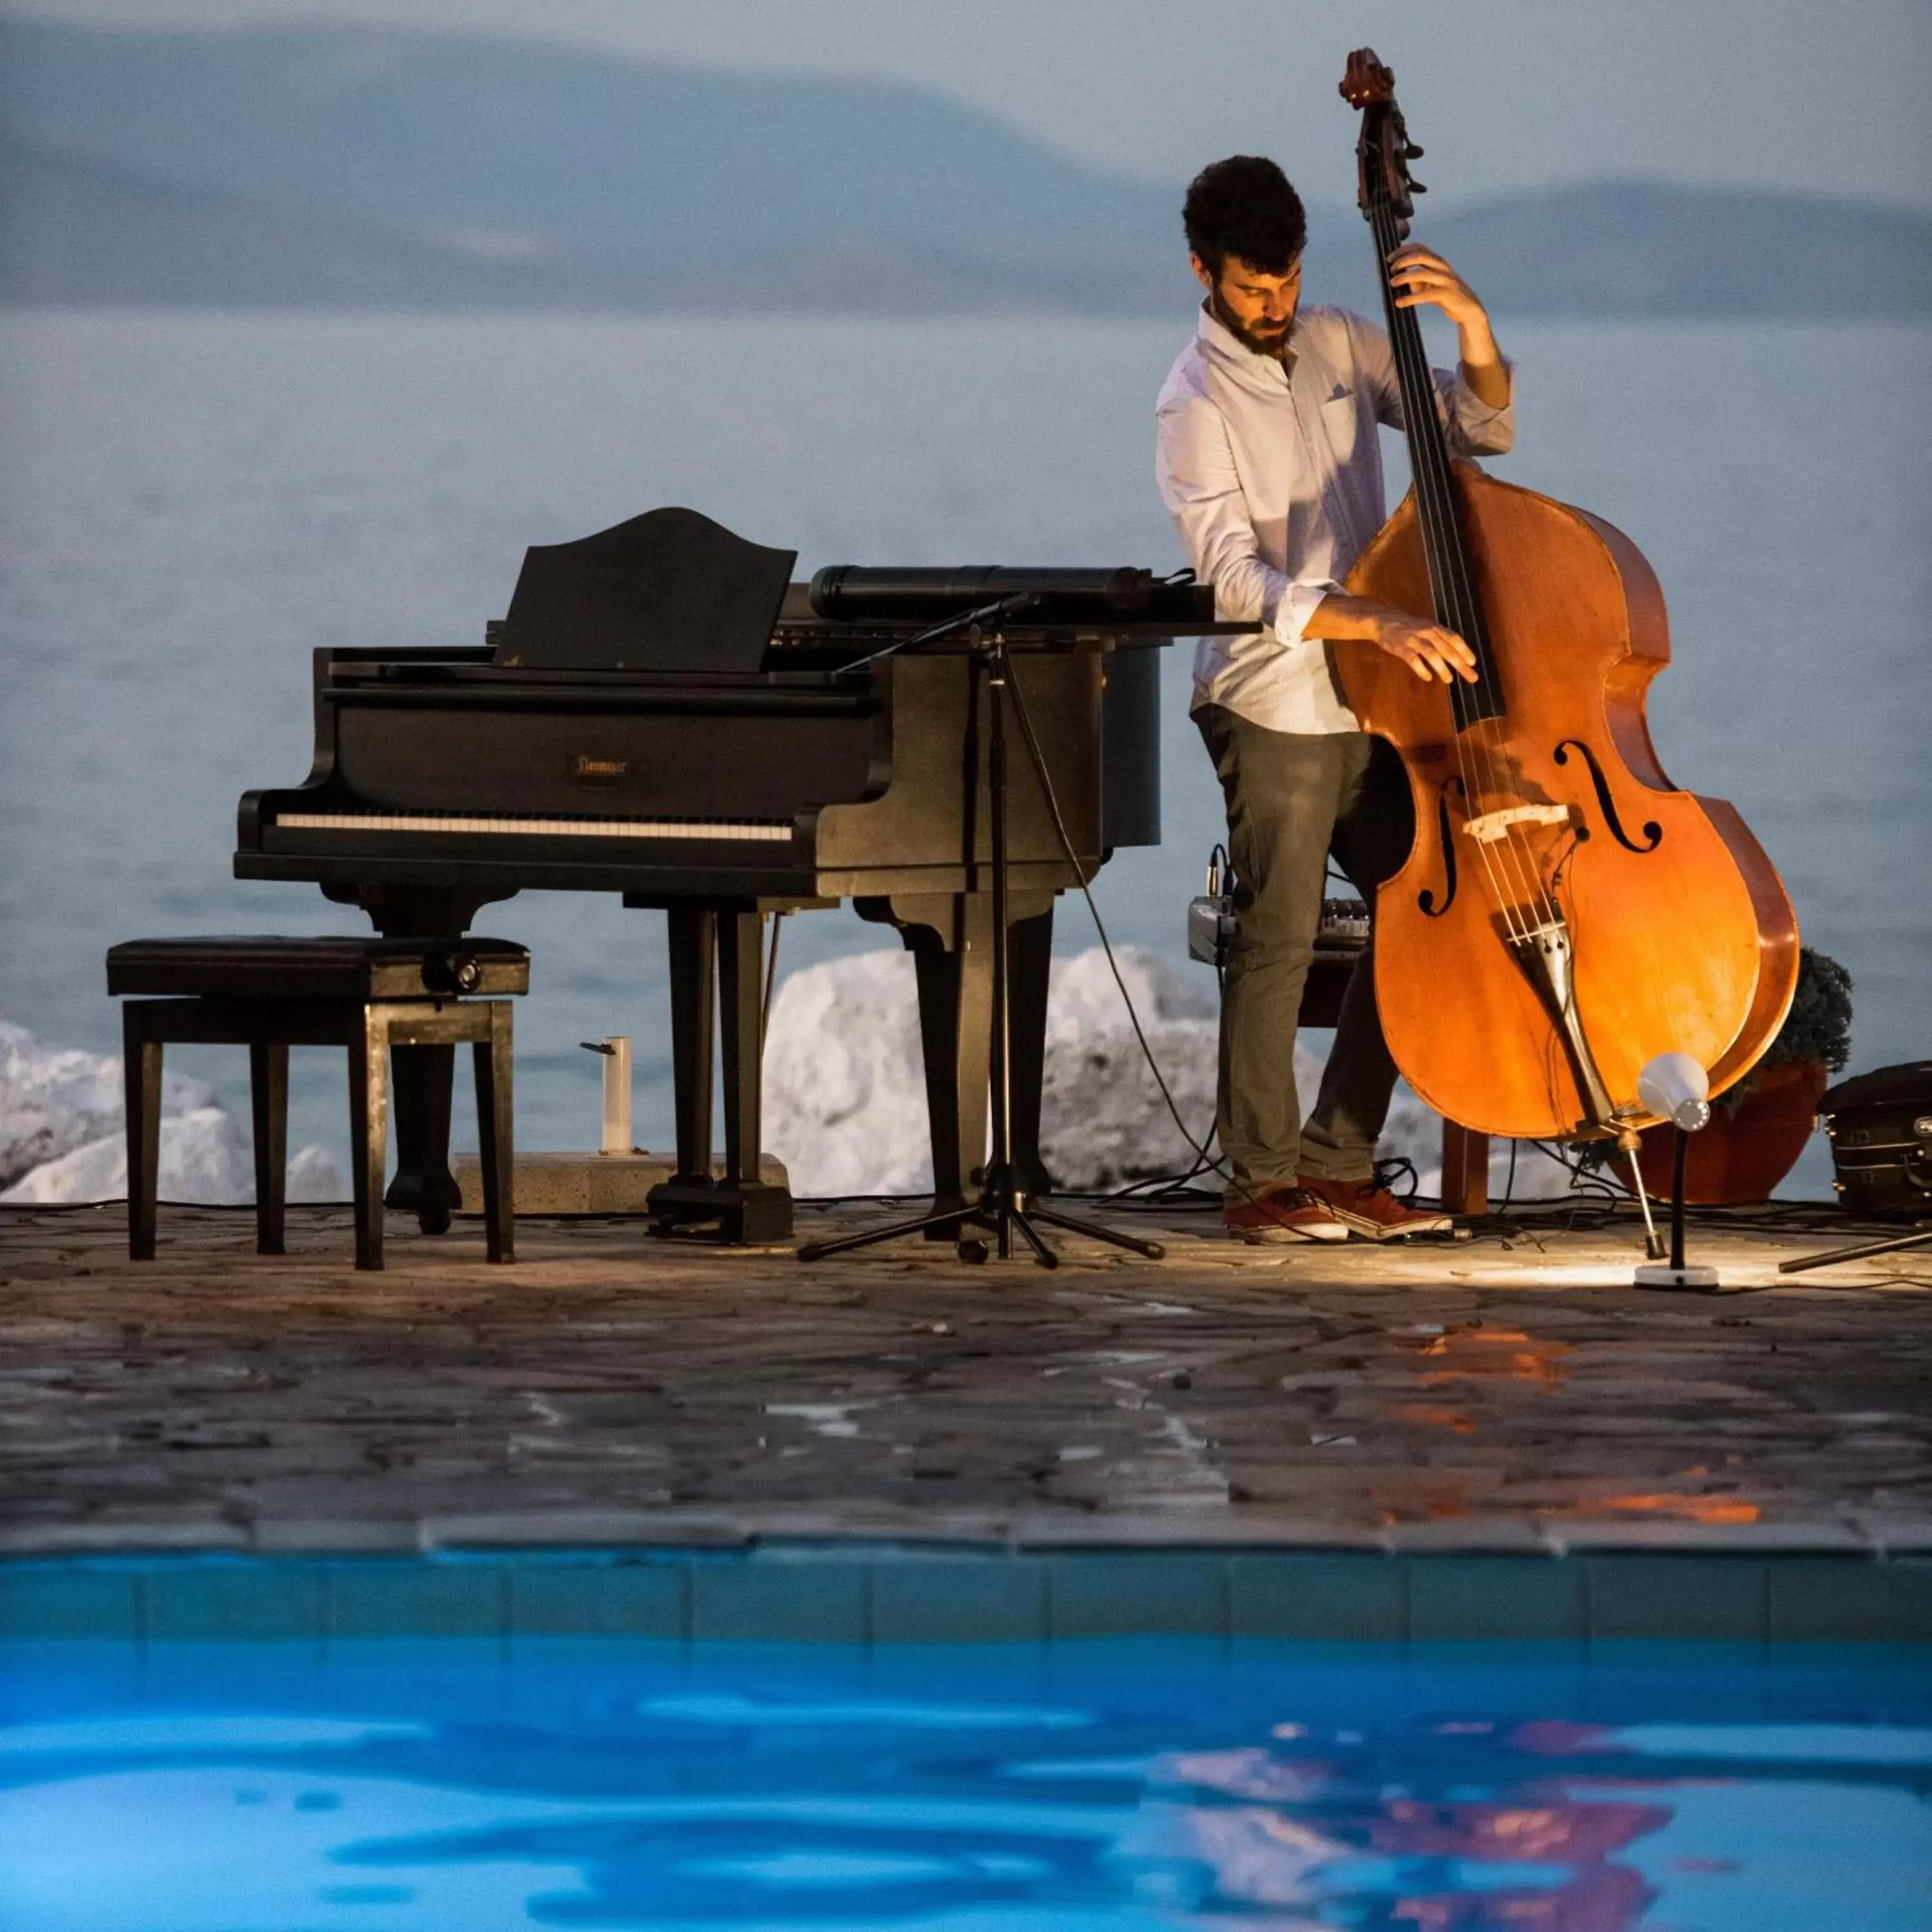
(1292, 800)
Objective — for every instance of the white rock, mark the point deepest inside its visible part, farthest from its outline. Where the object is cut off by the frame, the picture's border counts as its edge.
(1102, 1120)
(313, 1176)
(1085, 999)
(205, 1158)
(845, 1093)
(54, 1099)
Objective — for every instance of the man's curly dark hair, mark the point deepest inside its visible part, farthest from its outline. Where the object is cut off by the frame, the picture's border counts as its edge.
(1245, 206)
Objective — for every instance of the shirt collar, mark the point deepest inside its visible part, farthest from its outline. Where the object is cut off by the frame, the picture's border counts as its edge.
(1223, 345)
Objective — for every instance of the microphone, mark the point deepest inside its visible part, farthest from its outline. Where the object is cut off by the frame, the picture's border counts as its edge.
(1675, 1088)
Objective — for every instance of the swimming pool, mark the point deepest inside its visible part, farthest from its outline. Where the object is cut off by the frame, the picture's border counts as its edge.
(300, 1777)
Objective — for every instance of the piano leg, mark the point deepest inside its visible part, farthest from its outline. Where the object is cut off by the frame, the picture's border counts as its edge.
(951, 942)
(955, 970)
(1029, 967)
(756, 1212)
(716, 963)
(692, 933)
(422, 1078)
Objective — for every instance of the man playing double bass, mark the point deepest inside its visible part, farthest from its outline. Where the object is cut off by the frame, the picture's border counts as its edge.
(1268, 461)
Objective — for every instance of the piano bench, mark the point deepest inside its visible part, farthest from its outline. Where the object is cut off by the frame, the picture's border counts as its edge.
(367, 995)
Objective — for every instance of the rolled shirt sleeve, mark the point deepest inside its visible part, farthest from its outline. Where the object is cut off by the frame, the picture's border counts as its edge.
(1475, 428)
(1200, 486)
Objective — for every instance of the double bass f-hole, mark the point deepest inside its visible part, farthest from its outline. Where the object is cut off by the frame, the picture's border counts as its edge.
(1653, 833)
(1425, 898)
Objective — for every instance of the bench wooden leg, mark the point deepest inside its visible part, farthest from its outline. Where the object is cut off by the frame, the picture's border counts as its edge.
(141, 1077)
(1465, 1170)
(495, 1136)
(268, 1094)
(369, 1131)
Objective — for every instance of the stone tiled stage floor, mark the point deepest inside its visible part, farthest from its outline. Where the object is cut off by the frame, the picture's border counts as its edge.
(1511, 1393)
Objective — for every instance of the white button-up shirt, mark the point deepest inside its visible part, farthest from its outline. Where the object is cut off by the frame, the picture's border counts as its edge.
(1272, 471)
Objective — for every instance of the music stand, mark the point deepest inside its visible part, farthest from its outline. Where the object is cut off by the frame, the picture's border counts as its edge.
(1004, 1204)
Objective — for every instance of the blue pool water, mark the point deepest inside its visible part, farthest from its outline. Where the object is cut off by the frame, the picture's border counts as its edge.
(473, 1785)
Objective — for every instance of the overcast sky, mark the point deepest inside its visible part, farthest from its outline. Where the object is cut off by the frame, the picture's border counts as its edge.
(1829, 96)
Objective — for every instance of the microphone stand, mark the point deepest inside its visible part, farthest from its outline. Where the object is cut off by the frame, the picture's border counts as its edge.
(947, 627)
(1004, 1204)
(1677, 1273)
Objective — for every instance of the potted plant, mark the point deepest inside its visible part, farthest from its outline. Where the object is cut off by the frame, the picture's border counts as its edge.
(1758, 1127)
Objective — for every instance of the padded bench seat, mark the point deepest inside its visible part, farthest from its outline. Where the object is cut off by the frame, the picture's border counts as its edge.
(327, 968)
(367, 995)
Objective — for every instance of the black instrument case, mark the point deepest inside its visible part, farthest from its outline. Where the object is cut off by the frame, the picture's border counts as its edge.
(1880, 1128)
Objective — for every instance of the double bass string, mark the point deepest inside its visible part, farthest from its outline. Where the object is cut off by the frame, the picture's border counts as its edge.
(1440, 531)
(1437, 529)
(1436, 510)
(1526, 875)
(1433, 477)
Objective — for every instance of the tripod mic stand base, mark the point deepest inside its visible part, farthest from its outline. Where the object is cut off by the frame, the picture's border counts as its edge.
(1023, 1214)
(998, 1213)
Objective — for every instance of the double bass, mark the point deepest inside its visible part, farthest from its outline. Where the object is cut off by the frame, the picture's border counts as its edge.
(1565, 913)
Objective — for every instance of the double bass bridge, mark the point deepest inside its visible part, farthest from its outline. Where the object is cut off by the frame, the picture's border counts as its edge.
(1491, 827)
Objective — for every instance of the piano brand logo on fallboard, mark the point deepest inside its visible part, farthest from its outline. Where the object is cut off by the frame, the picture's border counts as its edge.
(588, 768)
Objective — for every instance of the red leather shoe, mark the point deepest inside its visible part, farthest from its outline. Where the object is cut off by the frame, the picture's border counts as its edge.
(1281, 1214)
(1365, 1207)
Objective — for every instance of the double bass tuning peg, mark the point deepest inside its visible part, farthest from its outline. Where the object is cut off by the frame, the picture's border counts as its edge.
(1416, 187)
(1410, 151)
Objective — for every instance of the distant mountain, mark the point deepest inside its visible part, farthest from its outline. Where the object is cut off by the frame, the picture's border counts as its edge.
(1648, 248)
(629, 182)
(327, 166)
(79, 230)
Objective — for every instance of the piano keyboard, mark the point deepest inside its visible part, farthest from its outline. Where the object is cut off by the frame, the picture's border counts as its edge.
(773, 831)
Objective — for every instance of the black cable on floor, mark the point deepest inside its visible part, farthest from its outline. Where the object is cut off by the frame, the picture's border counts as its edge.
(1205, 1163)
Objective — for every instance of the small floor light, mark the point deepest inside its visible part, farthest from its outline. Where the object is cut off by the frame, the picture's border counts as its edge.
(1676, 1089)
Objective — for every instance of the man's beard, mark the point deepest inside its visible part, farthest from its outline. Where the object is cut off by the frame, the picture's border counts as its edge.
(1274, 343)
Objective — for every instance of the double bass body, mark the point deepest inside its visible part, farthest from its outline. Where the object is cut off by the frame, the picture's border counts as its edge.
(1680, 933)
(1565, 914)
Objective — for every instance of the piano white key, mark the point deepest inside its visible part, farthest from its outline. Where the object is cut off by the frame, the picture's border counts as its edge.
(772, 831)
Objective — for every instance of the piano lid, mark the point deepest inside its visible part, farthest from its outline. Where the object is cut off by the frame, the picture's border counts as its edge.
(668, 591)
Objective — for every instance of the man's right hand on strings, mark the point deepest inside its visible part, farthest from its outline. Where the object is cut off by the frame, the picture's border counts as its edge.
(1429, 649)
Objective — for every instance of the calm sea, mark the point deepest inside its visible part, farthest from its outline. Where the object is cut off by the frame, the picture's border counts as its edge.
(189, 503)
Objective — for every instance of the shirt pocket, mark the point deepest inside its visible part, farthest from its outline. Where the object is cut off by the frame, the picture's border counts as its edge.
(1341, 419)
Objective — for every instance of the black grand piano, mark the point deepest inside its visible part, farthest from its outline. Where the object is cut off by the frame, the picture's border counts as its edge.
(663, 714)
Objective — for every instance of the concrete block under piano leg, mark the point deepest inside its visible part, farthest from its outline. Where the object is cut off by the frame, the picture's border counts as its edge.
(588, 1183)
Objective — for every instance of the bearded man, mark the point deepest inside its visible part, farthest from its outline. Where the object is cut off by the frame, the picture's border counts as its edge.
(1268, 459)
